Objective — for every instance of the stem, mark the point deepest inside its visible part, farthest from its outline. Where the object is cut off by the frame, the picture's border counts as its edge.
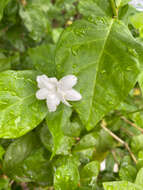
(103, 125)
(114, 8)
(127, 132)
(132, 124)
(114, 156)
(138, 110)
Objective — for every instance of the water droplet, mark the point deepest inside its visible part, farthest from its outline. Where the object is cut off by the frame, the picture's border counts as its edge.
(129, 69)
(103, 71)
(133, 52)
(34, 108)
(74, 66)
(74, 51)
(80, 32)
(111, 103)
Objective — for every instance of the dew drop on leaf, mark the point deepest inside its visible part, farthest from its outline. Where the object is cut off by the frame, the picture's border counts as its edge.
(132, 52)
(74, 51)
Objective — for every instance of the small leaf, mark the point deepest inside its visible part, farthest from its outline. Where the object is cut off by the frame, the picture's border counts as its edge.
(137, 143)
(66, 177)
(120, 3)
(139, 178)
(137, 21)
(56, 121)
(89, 173)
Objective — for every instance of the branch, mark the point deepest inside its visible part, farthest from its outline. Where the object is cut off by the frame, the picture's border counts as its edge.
(132, 124)
(103, 125)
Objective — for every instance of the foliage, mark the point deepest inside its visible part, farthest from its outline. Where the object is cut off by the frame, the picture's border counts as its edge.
(101, 43)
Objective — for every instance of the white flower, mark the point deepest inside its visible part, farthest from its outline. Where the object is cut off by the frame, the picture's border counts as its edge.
(138, 4)
(55, 91)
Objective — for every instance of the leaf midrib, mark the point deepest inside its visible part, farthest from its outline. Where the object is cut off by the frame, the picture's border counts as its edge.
(98, 63)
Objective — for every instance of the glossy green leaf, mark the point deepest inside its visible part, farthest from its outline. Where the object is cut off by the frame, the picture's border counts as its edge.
(28, 162)
(96, 52)
(56, 121)
(66, 177)
(20, 111)
(89, 173)
(121, 185)
(91, 8)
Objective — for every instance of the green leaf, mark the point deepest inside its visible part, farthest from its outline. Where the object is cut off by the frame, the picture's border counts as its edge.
(20, 111)
(89, 173)
(3, 4)
(56, 121)
(127, 173)
(94, 144)
(4, 184)
(94, 8)
(42, 57)
(66, 177)
(126, 12)
(34, 18)
(139, 178)
(96, 52)
(121, 185)
(24, 161)
(137, 143)
(120, 3)
(46, 138)
(137, 21)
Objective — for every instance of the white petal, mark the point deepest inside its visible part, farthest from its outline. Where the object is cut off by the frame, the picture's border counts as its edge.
(45, 82)
(52, 102)
(42, 94)
(116, 168)
(67, 82)
(72, 95)
(65, 102)
(103, 165)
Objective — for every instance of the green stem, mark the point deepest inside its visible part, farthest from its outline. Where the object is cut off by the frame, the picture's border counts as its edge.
(114, 8)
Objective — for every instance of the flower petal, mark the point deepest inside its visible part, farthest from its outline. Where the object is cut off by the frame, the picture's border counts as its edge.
(52, 102)
(42, 94)
(73, 95)
(45, 82)
(67, 82)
